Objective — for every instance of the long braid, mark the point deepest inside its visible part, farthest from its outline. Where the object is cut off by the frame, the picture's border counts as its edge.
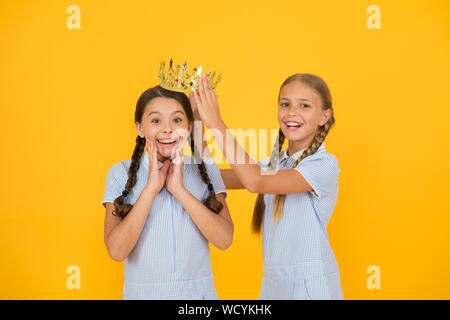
(121, 209)
(258, 211)
(211, 201)
(279, 199)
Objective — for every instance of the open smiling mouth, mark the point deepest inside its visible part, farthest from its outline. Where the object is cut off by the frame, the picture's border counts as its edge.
(167, 142)
(293, 125)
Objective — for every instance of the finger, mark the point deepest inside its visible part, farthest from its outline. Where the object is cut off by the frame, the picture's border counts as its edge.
(191, 95)
(176, 160)
(170, 170)
(181, 143)
(154, 154)
(196, 97)
(207, 83)
(195, 90)
(178, 167)
(149, 157)
(212, 89)
(208, 89)
(149, 151)
(201, 89)
(165, 167)
(179, 152)
(174, 151)
(204, 86)
(192, 101)
(180, 155)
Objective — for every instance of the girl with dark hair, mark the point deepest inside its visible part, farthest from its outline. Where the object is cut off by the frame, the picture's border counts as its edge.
(163, 208)
(295, 202)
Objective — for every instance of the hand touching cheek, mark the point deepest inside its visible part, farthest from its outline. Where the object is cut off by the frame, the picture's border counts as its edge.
(174, 183)
(156, 177)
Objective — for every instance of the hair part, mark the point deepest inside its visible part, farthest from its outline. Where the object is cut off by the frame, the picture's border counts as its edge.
(121, 209)
(316, 83)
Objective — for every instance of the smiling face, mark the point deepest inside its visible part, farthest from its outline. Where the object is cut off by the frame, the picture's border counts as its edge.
(165, 121)
(300, 114)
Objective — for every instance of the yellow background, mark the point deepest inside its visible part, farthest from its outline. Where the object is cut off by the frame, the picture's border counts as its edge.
(67, 110)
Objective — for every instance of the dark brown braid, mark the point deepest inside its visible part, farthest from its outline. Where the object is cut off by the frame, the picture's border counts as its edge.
(211, 201)
(322, 89)
(260, 206)
(121, 209)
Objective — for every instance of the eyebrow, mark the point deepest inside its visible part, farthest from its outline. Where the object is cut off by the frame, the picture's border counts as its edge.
(160, 112)
(304, 99)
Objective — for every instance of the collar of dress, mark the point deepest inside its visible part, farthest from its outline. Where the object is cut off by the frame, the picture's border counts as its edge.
(295, 156)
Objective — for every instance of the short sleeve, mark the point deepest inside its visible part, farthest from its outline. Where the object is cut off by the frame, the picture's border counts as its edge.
(115, 183)
(321, 172)
(263, 164)
(214, 176)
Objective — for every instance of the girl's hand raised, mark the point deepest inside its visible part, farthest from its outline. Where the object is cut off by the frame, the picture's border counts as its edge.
(156, 177)
(204, 102)
(174, 183)
(194, 107)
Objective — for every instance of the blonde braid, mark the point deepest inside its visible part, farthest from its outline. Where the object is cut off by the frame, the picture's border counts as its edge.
(258, 211)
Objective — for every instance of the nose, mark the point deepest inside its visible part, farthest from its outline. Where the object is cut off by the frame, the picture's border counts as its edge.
(291, 110)
(167, 128)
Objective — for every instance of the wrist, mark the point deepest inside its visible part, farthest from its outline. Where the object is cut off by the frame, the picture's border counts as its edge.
(180, 193)
(216, 123)
(149, 190)
(196, 115)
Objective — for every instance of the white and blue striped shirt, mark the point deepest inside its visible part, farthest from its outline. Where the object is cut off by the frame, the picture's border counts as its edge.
(171, 258)
(298, 260)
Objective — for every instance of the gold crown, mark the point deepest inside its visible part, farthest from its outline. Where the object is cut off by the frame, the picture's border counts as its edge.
(180, 80)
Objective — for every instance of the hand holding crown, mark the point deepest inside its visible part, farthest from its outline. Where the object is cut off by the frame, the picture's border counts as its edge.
(194, 106)
(206, 102)
(199, 87)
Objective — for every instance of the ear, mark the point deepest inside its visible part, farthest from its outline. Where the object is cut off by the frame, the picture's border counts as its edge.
(190, 126)
(139, 130)
(326, 115)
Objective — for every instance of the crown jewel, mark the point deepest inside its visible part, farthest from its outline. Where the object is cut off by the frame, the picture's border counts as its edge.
(180, 80)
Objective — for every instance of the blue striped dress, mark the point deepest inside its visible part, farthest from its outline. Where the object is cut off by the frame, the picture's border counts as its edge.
(171, 258)
(298, 260)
